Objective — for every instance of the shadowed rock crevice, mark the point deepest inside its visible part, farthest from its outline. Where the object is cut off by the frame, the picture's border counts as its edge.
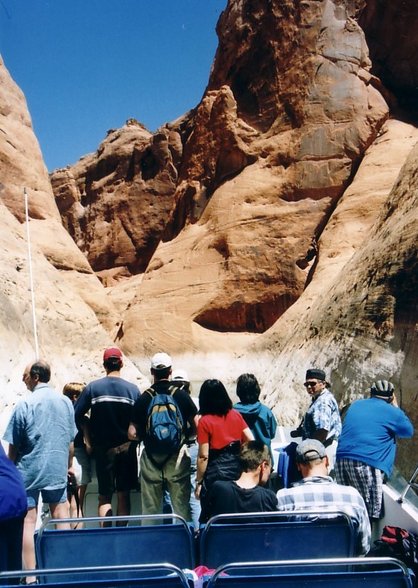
(391, 32)
(239, 316)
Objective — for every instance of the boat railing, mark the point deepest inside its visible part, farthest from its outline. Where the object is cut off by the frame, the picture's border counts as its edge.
(411, 485)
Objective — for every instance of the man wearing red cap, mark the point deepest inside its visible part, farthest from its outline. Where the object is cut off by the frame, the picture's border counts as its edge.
(110, 401)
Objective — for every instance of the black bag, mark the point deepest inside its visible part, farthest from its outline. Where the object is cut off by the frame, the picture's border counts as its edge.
(399, 543)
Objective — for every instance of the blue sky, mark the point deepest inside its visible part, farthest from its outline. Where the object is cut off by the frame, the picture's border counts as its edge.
(86, 66)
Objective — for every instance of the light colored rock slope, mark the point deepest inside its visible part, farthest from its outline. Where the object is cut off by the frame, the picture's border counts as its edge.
(75, 318)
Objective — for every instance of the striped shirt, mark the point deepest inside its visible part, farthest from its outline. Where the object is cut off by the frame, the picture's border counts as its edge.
(322, 493)
(110, 401)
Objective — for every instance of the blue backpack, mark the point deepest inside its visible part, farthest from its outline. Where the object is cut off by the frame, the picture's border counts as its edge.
(164, 427)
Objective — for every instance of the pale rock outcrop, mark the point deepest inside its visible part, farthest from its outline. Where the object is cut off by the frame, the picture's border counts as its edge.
(22, 167)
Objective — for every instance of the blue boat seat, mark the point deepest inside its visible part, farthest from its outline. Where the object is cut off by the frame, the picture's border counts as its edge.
(277, 536)
(140, 542)
(325, 573)
(135, 576)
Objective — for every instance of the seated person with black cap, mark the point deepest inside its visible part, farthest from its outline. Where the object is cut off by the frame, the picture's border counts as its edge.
(318, 492)
(322, 419)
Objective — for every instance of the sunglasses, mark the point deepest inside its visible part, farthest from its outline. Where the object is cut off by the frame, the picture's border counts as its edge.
(310, 384)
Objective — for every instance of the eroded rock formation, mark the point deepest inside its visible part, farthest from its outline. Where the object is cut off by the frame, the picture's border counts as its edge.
(115, 203)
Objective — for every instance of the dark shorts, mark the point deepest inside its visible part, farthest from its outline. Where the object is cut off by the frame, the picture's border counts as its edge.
(116, 468)
(57, 496)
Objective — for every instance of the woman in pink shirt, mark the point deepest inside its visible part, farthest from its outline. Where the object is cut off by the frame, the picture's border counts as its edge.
(220, 433)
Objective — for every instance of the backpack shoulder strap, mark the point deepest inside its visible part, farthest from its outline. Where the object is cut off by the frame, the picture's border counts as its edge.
(151, 392)
(172, 389)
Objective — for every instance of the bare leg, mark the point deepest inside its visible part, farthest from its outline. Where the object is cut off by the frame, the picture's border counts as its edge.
(81, 496)
(60, 510)
(28, 546)
(105, 508)
(73, 508)
(77, 511)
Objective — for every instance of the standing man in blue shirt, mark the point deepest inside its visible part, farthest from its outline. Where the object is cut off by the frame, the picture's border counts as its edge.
(40, 435)
(367, 446)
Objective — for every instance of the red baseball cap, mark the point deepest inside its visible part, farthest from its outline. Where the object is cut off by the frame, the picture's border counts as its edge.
(112, 352)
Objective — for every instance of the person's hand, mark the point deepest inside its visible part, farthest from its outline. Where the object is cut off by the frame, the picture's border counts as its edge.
(89, 448)
(394, 401)
(71, 479)
(132, 433)
(197, 491)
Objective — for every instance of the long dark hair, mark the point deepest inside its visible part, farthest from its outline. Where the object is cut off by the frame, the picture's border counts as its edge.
(214, 399)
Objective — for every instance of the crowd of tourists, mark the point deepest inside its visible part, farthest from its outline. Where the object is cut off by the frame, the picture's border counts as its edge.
(196, 457)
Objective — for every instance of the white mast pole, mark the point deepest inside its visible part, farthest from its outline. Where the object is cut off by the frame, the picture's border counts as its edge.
(32, 291)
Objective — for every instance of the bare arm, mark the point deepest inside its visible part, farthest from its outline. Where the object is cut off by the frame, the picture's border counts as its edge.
(202, 464)
(12, 452)
(85, 428)
(248, 436)
(70, 457)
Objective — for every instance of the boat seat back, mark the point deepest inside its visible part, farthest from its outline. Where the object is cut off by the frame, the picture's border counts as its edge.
(276, 536)
(135, 576)
(344, 573)
(138, 543)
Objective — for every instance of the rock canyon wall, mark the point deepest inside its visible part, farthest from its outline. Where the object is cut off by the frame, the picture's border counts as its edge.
(271, 228)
